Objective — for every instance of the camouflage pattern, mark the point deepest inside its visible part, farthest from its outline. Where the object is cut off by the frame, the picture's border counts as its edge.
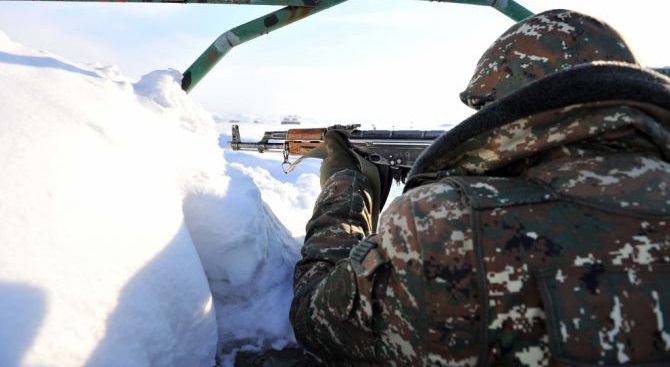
(546, 242)
(602, 124)
(545, 43)
(324, 284)
(564, 263)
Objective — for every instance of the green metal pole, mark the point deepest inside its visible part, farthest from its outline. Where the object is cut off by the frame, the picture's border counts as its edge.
(510, 8)
(246, 32)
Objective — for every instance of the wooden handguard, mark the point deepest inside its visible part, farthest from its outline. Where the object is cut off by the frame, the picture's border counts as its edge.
(302, 141)
(315, 134)
(302, 147)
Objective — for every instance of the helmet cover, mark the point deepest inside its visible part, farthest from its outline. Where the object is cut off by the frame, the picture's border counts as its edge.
(539, 45)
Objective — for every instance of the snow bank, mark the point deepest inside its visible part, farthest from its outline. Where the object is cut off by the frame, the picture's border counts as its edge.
(120, 217)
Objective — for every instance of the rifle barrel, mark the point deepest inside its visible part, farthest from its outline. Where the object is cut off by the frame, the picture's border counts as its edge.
(260, 147)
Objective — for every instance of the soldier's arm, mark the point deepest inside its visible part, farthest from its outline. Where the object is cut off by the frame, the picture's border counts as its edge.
(324, 277)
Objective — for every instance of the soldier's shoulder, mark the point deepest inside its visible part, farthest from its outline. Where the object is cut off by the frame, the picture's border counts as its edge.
(425, 200)
(431, 191)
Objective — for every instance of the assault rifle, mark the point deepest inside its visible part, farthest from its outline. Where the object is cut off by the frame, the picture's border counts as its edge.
(396, 149)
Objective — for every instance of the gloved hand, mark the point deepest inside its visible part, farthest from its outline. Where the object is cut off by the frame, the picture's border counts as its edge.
(339, 156)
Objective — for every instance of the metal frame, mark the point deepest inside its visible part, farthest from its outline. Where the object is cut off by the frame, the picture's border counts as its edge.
(293, 11)
(246, 32)
(268, 23)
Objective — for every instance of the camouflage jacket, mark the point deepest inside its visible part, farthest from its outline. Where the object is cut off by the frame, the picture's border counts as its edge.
(543, 240)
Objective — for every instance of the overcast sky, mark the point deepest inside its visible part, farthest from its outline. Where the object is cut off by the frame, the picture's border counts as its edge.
(387, 62)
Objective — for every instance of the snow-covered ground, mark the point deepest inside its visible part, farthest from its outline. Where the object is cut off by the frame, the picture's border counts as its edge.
(128, 237)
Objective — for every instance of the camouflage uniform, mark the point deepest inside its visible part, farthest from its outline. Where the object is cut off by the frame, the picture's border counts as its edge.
(535, 233)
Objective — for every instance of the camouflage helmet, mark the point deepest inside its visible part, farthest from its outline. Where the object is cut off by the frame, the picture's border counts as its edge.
(541, 44)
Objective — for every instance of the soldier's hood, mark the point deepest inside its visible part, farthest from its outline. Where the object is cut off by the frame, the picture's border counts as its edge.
(595, 84)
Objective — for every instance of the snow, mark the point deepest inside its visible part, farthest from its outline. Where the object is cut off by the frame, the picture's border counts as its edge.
(128, 237)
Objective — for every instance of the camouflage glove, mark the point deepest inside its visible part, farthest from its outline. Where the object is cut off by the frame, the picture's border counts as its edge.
(339, 156)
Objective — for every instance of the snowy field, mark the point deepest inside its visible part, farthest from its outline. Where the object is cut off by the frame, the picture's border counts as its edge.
(128, 237)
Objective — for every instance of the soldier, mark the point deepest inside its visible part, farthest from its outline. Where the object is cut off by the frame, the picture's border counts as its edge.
(534, 233)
